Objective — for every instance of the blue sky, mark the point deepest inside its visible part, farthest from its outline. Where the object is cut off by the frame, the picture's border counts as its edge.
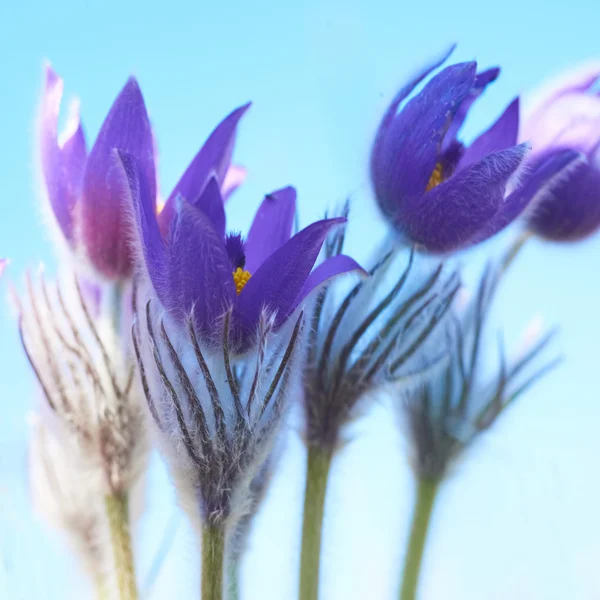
(519, 517)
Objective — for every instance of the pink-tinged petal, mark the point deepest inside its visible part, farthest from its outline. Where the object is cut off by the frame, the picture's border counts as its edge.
(211, 204)
(212, 160)
(331, 267)
(235, 176)
(149, 241)
(571, 82)
(452, 214)
(103, 220)
(572, 121)
(277, 284)
(500, 136)
(271, 228)
(3, 262)
(200, 277)
(62, 163)
(390, 114)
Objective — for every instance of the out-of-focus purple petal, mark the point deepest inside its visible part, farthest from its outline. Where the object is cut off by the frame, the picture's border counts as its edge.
(200, 275)
(62, 164)
(571, 121)
(409, 152)
(271, 228)
(500, 136)
(571, 82)
(278, 282)
(482, 80)
(103, 222)
(557, 167)
(212, 160)
(452, 213)
(390, 114)
(235, 176)
(569, 206)
(2, 265)
(333, 266)
(140, 194)
(210, 203)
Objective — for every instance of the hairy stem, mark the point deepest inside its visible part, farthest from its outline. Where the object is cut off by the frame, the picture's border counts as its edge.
(426, 492)
(117, 511)
(213, 553)
(317, 474)
(513, 251)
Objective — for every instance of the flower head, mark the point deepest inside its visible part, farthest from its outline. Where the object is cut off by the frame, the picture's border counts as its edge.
(197, 268)
(85, 190)
(216, 413)
(367, 337)
(436, 192)
(449, 408)
(87, 376)
(565, 120)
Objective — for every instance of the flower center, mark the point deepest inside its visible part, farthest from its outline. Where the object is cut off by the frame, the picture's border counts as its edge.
(240, 278)
(436, 177)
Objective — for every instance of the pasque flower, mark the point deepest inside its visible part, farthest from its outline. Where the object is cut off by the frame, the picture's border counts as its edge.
(86, 191)
(199, 269)
(566, 117)
(436, 192)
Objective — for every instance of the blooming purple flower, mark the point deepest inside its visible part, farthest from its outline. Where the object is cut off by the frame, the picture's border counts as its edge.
(86, 191)
(566, 118)
(438, 193)
(196, 267)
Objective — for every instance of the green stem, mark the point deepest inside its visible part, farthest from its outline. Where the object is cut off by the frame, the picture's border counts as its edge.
(102, 588)
(213, 553)
(317, 473)
(426, 492)
(117, 511)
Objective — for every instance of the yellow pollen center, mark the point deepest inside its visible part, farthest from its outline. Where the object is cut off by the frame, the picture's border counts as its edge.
(436, 177)
(240, 278)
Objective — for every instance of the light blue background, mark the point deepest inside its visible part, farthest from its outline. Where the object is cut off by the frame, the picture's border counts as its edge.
(519, 518)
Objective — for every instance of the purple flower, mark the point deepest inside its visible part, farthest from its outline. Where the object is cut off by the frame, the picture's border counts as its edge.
(86, 191)
(438, 193)
(566, 120)
(197, 268)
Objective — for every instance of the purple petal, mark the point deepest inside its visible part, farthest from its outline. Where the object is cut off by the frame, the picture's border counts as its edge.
(150, 243)
(410, 151)
(390, 114)
(569, 205)
(276, 286)
(482, 80)
(336, 265)
(271, 228)
(234, 245)
(451, 214)
(210, 203)
(104, 234)
(200, 275)
(212, 160)
(555, 168)
(500, 136)
(62, 164)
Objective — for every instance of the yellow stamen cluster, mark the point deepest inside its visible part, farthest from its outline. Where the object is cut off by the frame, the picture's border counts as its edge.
(436, 177)
(240, 278)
